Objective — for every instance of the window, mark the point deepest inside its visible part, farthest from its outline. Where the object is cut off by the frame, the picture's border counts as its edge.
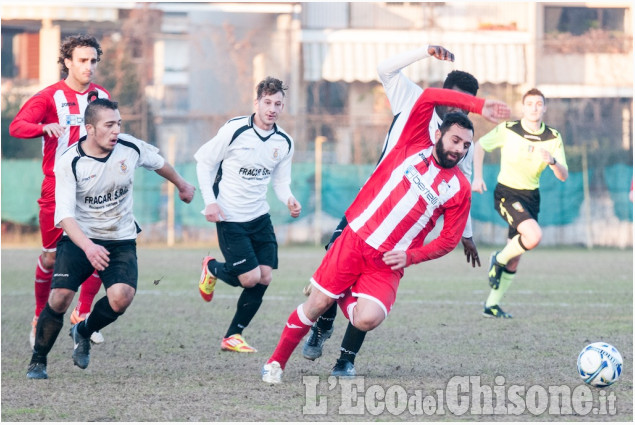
(579, 20)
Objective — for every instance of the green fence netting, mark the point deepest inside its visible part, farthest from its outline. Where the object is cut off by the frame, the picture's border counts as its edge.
(561, 202)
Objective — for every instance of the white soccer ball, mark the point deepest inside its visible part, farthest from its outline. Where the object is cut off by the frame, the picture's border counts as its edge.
(600, 364)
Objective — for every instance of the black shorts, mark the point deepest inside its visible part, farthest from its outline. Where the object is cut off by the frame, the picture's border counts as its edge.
(516, 206)
(72, 266)
(246, 246)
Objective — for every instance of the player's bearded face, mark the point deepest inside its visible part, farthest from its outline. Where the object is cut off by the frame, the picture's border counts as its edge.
(452, 146)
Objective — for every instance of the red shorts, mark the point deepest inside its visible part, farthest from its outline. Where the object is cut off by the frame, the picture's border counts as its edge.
(50, 234)
(352, 263)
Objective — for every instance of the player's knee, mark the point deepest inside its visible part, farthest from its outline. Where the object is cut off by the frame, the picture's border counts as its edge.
(47, 260)
(60, 299)
(530, 240)
(120, 297)
(367, 319)
(367, 322)
(250, 279)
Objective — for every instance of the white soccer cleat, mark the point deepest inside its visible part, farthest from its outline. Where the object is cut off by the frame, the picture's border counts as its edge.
(96, 338)
(272, 373)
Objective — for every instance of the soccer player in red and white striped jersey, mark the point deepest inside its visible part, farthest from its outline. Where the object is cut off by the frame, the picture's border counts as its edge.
(56, 114)
(414, 185)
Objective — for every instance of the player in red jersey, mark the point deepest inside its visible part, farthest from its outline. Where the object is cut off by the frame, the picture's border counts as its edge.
(57, 115)
(395, 210)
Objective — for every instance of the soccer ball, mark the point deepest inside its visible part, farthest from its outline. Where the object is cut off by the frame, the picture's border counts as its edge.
(600, 364)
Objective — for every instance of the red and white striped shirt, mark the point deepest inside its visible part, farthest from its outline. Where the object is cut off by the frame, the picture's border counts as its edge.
(57, 103)
(401, 201)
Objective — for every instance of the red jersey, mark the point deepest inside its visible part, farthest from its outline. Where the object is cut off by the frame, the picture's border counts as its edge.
(400, 203)
(57, 103)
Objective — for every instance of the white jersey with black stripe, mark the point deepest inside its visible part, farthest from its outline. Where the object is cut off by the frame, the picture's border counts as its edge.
(97, 192)
(402, 94)
(235, 167)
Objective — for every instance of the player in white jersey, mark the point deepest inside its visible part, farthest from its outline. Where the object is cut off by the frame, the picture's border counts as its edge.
(402, 94)
(94, 182)
(234, 170)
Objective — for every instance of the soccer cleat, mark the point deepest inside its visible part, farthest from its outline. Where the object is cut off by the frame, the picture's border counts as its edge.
(344, 368)
(207, 282)
(236, 343)
(32, 334)
(81, 348)
(37, 371)
(272, 373)
(495, 312)
(95, 337)
(312, 348)
(495, 271)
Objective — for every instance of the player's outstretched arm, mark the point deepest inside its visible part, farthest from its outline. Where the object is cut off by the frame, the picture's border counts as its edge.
(186, 190)
(495, 110)
(440, 53)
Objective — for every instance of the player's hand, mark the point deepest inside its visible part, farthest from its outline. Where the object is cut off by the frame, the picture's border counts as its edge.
(545, 155)
(395, 259)
(495, 110)
(53, 129)
(98, 256)
(294, 207)
(213, 213)
(469, 247)
(441, 53)
(186, 192)
(478, 185)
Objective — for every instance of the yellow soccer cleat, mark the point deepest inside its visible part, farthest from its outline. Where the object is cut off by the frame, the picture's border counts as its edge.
(236, 343)
(207, 282)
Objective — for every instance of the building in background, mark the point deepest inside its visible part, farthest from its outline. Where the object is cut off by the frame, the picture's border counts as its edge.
(194, 65)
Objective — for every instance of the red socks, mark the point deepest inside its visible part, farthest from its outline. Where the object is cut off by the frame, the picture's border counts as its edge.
(298, 325)
(87, 293)
(43, 278)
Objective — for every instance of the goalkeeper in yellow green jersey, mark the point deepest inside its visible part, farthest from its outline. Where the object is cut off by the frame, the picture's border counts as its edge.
(528, 146)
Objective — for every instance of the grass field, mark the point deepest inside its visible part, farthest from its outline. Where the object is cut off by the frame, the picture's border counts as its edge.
(161, 361)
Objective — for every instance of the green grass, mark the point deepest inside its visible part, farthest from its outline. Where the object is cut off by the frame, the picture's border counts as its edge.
(161, 360)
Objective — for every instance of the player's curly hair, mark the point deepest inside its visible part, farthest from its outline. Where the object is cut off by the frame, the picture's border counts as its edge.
(70, 43)
(269, 86)
(463, 80)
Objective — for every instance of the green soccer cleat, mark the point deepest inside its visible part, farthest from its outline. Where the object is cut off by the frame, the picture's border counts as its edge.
(495, 271)
(495, 312)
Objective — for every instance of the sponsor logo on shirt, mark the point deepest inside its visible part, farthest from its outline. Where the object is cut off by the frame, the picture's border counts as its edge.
(92, 176)
(106, 197)
(417, 182)
(74, 119)
(254, 172)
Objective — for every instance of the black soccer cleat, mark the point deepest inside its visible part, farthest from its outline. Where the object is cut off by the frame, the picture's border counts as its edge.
(312, 348)
(495, 312)
(344, 368)
(37, 371)
(81, 348)
(495, 271)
